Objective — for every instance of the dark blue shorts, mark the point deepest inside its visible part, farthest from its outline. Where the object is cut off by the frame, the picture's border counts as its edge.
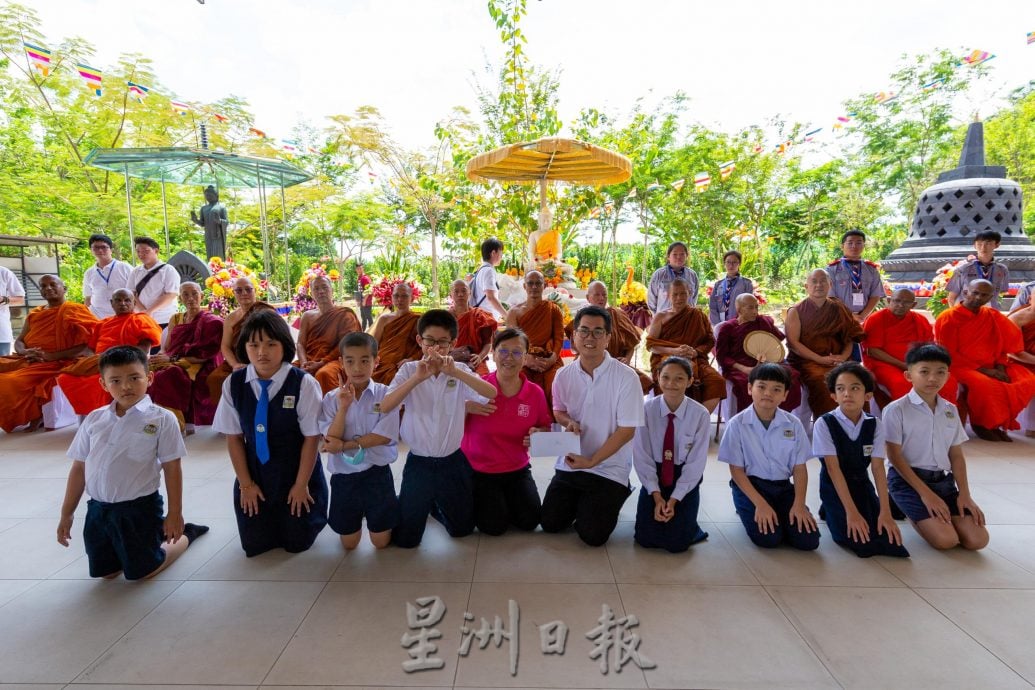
(369, 494)
(124, 536)
(908, 500)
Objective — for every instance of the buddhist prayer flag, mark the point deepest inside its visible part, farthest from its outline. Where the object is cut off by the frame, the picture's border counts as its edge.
(257, 132)
(757, 149)
(678, 184)
(609, 206)
(40, 58)
(1031, 37)
(595, 212)
(137, 91)
(220, 117)
(289, 145)
(654, 186)
(885, 97)
(784, 147)
(632, 193)
(932, 85)
(726, 169)
(977, 57)
(811, 136)
(842, 120)
(91, 76)
(701, 181)
(180, 107)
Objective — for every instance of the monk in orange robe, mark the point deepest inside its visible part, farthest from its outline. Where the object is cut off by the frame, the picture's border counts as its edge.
(80, 381)
(1024, 318)
(320, 332)
(52, 337)
(244, 293)
(980, 340)
(543, 323)
(396, 335)
(475, 329)
(625, 335)
(820, 334)
(890, 333)
(685, 331)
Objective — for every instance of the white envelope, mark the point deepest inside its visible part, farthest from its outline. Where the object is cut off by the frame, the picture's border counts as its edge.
(554, 443)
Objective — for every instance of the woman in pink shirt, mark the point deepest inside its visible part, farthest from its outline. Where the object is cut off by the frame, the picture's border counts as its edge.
(496, 441)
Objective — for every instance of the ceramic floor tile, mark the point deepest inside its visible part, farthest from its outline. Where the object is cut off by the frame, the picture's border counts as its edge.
(720, 637)
(8, 523)
(9, 589)
(31, 497)
(956, 568)
(579, 607)
(712, 562)
(38, 553)
(439, 558)
(231, 633)
(204, 499)
(540, 557)
(32, 686)
(314, 565)
(829, 565)
(109, 686)
(1003, 507)
(917, 646)
(1016, 543)
(717, 502)
(1003, 621)
(55, 630)
(359, 625)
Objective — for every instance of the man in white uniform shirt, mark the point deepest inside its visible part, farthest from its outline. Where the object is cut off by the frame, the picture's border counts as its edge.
(103, 278)
(155, 283)
(12, 294)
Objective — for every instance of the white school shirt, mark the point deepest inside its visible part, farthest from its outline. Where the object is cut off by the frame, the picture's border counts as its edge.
(166, 281)
(307, 407)
(823, 442)
(364, 416)
(123, 455)
(924, 435)
(771, 453)
(691, 444)
(9, 287)
(433, 423)
(100, 283)
(485, 280)
(609, 398)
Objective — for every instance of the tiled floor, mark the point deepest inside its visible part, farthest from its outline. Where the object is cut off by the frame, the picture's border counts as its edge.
(724, 615)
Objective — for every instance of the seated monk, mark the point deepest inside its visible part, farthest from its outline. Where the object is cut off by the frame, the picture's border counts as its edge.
(52, 337)
(396, 335)
(1024, 318)
(81, 381)
(625, 335)
(187, 358)
(980, 340)
(320, 332)
(244, 293)
(543, 323)
(820, 333)
(475, 329)
(685, 331)
(736, 364)
(890, 332)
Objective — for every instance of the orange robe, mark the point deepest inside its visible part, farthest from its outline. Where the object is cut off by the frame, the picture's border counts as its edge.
(690, 327)
(475, 329)
(398, 345)
(220, 373)
(544, 326)
(895, 336)
(983, 340)
(826, 330)
(80, 381)
(26, 386)
(322, 340)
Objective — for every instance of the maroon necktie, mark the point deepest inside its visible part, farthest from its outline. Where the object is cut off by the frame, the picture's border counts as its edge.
(668, 453)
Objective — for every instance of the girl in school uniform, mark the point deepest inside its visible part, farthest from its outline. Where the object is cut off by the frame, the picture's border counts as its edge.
(270, 414)
(669, 455)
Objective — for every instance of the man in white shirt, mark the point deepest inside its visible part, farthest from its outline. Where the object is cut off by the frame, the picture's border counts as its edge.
(484, 289)
(600, 399)
(12, 294)
(156, 284)
(103, 278)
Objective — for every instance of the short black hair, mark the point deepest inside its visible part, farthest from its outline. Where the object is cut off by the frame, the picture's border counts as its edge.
(509, 334)
(269, 323)
(149, 241)
(358, 339)
(489, 246)
(989, 235)
(770, 371)
(440, 318)
(121, 355)
(675, 244)
(100, 237)
(855, 369)
(928, 352)
(593, 310)
(733, 252)
(681, 362)
(854, 232)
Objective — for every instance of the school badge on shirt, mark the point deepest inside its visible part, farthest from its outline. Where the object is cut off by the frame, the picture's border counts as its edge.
(788, 433)
(949, 414)
(377, 408)
(867, 451)
(289, 402)
(523, 410)
(151, 429)
(451, 383)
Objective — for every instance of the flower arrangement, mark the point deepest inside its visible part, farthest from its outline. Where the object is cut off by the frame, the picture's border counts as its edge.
(632, 298)
(554, 275)
(219, 287)
(513, 272)
(559, 296)
(382, 289)
(584, 276)
(939, 297)
(302, 299)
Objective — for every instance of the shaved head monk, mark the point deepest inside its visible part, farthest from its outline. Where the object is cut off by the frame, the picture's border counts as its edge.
(980, 340)
(820, 333)
(53, 336)
(320, 331)
(543, 323)
(475, 329)
(244, 293)
(396, 335)
(890, 332)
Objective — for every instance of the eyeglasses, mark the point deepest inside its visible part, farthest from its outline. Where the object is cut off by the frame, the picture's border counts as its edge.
(595, 333)
(510, 354)
(100, 248)
(431, 342)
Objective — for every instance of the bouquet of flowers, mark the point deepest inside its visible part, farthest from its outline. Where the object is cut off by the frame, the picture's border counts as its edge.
(632, 298)
(382, 289)
(584, 276)
(303, 300)
(939, 300)
(560, 297)
(219, 287)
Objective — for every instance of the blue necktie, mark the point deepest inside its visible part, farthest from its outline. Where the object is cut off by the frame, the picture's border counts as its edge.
(262, 444)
